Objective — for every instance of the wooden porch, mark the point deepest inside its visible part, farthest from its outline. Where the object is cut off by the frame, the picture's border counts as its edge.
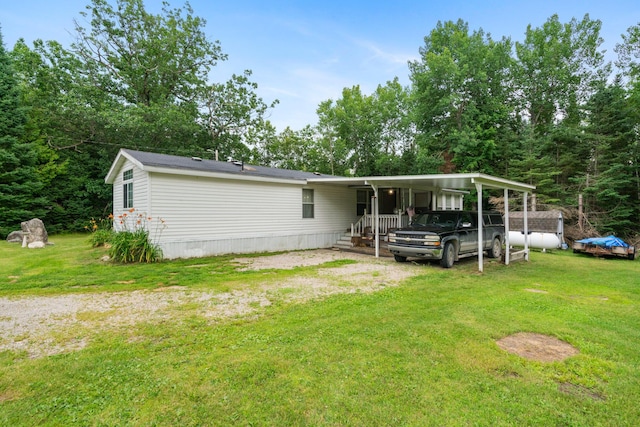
(365, 225)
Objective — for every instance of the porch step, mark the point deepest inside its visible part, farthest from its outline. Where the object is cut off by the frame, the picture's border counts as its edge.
(344, 242)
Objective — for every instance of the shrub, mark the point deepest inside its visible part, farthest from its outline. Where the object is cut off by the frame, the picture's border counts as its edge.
(131, 242)
(101, 231)
(134, 246)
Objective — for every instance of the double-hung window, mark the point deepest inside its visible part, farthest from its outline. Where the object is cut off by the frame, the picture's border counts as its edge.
(307, 203)
(127, 189)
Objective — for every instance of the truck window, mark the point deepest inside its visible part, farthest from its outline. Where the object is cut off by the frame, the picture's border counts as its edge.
(467, 218)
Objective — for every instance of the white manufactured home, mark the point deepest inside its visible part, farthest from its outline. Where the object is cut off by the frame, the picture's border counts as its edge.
(211, 207)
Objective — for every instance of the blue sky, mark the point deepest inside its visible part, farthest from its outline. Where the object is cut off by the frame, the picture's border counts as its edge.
(305, 52)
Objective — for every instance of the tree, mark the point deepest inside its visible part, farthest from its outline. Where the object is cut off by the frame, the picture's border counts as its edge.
(558, 66)
(397, 132)
(234, 117)
(373, 128)
(78, 125)
(291, 150)
(529, 165)
(629, 54)
(146, 59)
(331, 151)
(355, 123)
(612, 180)
(132, 80)
(461, 89)
(20, 186)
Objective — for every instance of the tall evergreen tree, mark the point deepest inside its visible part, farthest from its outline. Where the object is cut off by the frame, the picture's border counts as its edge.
(19, 181)
(611, 183)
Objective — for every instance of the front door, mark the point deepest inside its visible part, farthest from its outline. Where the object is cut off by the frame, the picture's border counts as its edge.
(388, 200)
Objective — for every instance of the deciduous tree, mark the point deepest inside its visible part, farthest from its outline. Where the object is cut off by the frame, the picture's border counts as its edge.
(461, 87)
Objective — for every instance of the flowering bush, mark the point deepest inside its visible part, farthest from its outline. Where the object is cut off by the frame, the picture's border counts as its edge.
(132, 242)
(127, 236)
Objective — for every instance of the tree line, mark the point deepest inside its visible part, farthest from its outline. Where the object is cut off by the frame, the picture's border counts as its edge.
(548, 110)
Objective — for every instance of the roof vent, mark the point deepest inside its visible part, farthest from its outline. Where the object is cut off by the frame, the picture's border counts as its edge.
(197, 159)
(317, 173)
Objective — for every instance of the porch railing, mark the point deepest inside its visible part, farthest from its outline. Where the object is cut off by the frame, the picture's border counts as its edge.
(385, 222)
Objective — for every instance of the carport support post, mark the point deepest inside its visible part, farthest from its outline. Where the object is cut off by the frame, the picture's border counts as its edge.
(377, 222)
(376, 218)
(506, 226)
(526, 227)
(480, 227)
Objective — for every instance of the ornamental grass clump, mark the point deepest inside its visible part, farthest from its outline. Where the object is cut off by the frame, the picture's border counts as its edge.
(131, 241)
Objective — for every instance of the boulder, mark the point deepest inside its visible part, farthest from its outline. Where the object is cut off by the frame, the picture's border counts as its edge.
(36, 245)
(34, 231)
(15, 237)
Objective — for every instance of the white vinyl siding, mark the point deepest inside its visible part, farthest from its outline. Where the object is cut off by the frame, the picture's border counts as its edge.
(139, 186)
(202, 207)
(245, 216)
(211, 216)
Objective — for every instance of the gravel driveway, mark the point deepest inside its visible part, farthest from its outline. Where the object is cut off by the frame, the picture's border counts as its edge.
(47, 325)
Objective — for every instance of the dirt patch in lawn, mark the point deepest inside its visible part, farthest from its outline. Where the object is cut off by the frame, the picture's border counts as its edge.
(48, 325)
(538, 347)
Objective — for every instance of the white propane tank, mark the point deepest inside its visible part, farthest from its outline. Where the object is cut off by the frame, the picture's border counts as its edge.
(536, 240)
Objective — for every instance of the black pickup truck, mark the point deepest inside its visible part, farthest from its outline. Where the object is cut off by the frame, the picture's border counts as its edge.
(447, 236)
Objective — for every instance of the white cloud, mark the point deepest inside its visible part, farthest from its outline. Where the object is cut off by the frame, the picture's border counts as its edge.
(393, 58)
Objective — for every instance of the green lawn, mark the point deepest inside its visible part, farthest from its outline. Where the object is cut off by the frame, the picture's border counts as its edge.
(420, 354)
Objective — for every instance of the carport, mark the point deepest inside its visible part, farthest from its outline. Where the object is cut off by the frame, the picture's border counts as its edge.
(437, 182)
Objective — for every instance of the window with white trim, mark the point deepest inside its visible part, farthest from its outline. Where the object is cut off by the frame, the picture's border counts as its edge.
(307, 203)
(127, 189)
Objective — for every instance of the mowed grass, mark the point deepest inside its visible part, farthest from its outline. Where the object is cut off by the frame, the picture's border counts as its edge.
(70, 265)
(420, 354)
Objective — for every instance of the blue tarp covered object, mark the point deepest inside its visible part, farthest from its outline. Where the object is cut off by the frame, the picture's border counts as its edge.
(606, 242)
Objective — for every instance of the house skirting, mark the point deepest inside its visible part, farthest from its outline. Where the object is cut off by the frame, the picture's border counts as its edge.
(211, 247)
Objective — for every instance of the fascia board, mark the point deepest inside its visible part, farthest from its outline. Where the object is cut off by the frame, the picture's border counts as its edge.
(218, 175)
(117, 164)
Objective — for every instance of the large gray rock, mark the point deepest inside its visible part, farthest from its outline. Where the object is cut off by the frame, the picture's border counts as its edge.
(34, 231)
(15, 237)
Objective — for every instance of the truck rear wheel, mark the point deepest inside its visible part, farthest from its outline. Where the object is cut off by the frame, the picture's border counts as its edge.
(400, 258)
(496, 249)
(448, 255)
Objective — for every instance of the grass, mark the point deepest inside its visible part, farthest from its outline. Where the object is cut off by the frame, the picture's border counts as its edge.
(71, 265)
(423, 353)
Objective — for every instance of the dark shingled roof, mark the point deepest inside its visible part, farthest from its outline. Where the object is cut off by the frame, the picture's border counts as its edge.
(213, 166)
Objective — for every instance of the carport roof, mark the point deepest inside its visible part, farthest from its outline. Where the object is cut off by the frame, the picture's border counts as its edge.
(457, 181)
